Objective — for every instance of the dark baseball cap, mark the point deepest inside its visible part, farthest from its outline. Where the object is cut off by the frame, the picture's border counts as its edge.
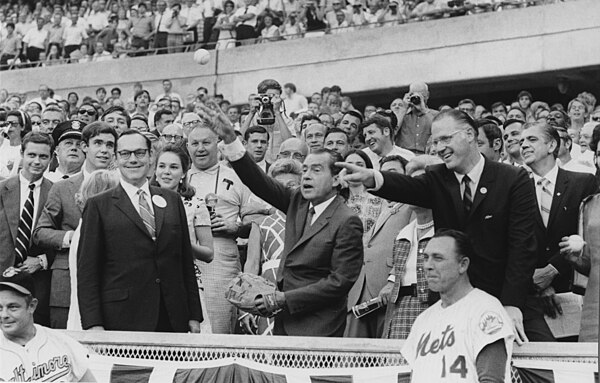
(18, 281)
(67, 129)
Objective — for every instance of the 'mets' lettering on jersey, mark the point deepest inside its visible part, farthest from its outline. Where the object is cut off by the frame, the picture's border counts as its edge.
(49, 371)
(424, 347)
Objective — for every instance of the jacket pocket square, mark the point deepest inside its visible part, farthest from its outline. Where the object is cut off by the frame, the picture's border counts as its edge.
(488, 217)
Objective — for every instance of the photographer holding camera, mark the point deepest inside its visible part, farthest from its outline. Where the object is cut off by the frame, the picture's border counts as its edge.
(266, 111)
(415, 129)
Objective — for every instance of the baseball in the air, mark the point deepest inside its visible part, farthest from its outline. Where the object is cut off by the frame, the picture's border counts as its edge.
(201, 56)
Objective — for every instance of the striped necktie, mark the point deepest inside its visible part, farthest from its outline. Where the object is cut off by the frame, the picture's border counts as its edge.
(545, 199)
(467, 197)
(25, 227)
(146, 214)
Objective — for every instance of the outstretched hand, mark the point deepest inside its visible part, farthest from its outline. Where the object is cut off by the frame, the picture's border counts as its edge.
(357, 174)
(217, 121)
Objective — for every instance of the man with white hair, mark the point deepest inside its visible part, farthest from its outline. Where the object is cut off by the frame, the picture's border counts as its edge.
(415, 129)
(172, 134)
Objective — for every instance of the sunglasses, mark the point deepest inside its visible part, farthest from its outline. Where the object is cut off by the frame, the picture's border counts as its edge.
(88, 112)
(596, 119)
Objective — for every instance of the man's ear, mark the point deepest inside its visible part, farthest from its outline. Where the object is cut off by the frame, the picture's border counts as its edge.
(464, 264)
(497, 144)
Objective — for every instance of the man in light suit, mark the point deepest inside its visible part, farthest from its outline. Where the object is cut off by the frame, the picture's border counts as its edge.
(378, 260)
(135, 270)
(493, 203)
(323, 249)
(559, 194)
(16, 248)
(61, 214)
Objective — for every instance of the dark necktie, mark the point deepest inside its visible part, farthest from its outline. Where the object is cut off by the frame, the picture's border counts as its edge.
(467, 197)
(24, 230)
(65, 177)
(309, 218)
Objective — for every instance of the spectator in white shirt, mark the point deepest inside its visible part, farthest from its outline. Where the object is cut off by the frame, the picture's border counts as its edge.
(73, 35)
(246, 22)
(293, 101)
(292, 28)
(100, 54)
(35, 41)
(161, 27)
(177, 29)
(193, 15)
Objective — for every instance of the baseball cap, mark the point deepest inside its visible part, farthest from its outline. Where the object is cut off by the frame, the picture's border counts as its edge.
(67, 129)
(17, 280)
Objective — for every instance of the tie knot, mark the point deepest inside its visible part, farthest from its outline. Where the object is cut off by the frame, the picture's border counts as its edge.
(31, 186)
(466, 180)
(141, 193)
(311, 211)
(543, 182)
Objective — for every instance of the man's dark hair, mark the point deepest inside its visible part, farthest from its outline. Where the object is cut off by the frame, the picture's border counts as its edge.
(595, 138)
(565, 117)
(101, 88)
(520, 110)
(499, 104)
(467, 101)
(268, 84)
(309, 117)
(116, 89)
(380, 121)
(335, 130)
(73, 93)
(202, 88)
(138, 94)
(117, 109)
(462, 243)
(548, 131)
(491, 131)
(255, 129)
(391, 115)
(158, 115)
(333, 158)
(11, 25)
(355, 113)
(291, 86)
(95, 129)
(37, 138)
(140, 117)
(335, 89)
(394, 157)
(458, 116)
(132, 132)
(166, 80)
(525, 93)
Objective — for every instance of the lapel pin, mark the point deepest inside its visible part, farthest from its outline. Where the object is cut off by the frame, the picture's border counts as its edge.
(483, 190)
(159, 201)
(558, 194)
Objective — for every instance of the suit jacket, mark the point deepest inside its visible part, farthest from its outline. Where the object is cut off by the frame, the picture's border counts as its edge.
(499, 224)
(570, 190)
(378, 244)
(319, 266)
(60, 214)
(10, 214)
(122, 274)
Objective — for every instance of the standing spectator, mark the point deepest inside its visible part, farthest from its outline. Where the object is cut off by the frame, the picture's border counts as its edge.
(61, 214)
(525, 100)
(337, 141)
(87, 113)
(379, 137)
(122, 46)
(56, 31)
(389, 14)
(468, 106)
(36, 41)
(293, 101)
(10, 148)
(73, 36)
(193, 16)
(499, 111)
(142, 103)
(406, 292)
(70, 157)
(21, 197)
(161, 28)
(577, 113)
(245, 19)
(428, 9)
(172, 165)
(10, 46)
(312, 17)
(226, 26)
(291, 28)
(463, 193)
(97, 20)
(167, 86)
(51, 117)
(123, 23)
(142, 27)
(414, 118)
(158, 275)
(177, 26)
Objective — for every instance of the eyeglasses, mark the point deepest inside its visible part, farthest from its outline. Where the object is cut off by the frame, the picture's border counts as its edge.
(139, 153)
(172, 137)
(191, 124)
(13, 123)
(596, 119)
(445, 140)
(296, 156)
(88, 112)
(36, 122)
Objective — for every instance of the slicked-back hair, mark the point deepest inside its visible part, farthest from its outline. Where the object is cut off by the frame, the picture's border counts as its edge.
(333, 158)
(158, 115)
(132, 132)
(548, 131)
(380, 121)
(355, 113)
(458, 116)
(37, 138)
(463, 247)
(491, 131)
(394, 157)
(335, 130)
(256, 129)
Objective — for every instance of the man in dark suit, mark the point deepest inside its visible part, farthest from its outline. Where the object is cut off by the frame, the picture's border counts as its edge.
(323, 249)
(61, 214)
(558, 194)
(135, 270)
(493, 203)
(22, 198)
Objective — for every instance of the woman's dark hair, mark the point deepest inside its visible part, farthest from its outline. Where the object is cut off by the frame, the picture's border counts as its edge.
(24, 121)
(362, 155)
(184, 189)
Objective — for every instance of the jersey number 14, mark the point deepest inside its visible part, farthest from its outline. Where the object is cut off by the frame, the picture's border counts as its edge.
(458, 367)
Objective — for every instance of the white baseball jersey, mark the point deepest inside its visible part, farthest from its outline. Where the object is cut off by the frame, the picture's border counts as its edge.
(50, 357)
(444, 342)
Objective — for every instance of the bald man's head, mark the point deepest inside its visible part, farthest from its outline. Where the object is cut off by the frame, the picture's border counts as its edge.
(293, 148)
(420, 88)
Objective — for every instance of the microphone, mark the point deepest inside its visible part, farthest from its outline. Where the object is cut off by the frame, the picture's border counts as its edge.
(211, 200)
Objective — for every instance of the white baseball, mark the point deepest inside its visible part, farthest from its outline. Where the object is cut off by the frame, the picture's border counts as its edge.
(202, 56)
(576, 243)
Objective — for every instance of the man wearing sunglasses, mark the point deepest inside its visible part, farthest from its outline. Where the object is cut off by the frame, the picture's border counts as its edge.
(135, 270)
(61, 214)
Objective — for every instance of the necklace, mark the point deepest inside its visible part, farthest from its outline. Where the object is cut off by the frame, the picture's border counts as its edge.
(425, 226)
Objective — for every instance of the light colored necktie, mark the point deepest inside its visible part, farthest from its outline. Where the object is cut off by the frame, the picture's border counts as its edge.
(545, 199)
(146, 214)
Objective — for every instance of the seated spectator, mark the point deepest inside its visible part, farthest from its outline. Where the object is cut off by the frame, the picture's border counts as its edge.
(100, 54)
(122, 46)
(389, 14)
(342, 25)
(292, 29)
(53, 57)
(429, 9)
(269, 31)
(333, 18)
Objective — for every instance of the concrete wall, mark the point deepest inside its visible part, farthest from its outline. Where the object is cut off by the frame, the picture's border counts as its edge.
(512, 42)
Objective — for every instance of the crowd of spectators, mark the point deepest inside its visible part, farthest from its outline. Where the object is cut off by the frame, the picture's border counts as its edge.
(279, 129)
(44, 33)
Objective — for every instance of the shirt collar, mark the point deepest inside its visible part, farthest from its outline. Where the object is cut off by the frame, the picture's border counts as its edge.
(320, 208)
(132, 190)
(409, 232)
(212, 170)
(25, 182)
(550, 176)
(475, 173)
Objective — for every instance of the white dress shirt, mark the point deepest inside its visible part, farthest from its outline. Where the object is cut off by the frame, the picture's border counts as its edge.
(550, 176)
(474, 175)
(320, 208)
(133, 196)
(36, 38)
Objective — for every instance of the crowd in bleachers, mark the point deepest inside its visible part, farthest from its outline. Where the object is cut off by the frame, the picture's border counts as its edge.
(44, 33)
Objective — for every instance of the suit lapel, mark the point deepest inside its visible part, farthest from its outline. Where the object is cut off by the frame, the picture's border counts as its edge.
(44, 189)
(123, 203)
(300, 219)
(75, 185)
(11, 205)
(486, 182)
(386, 213)
(319, 224)
(159, 212)
(562, 182)
(453, 189)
